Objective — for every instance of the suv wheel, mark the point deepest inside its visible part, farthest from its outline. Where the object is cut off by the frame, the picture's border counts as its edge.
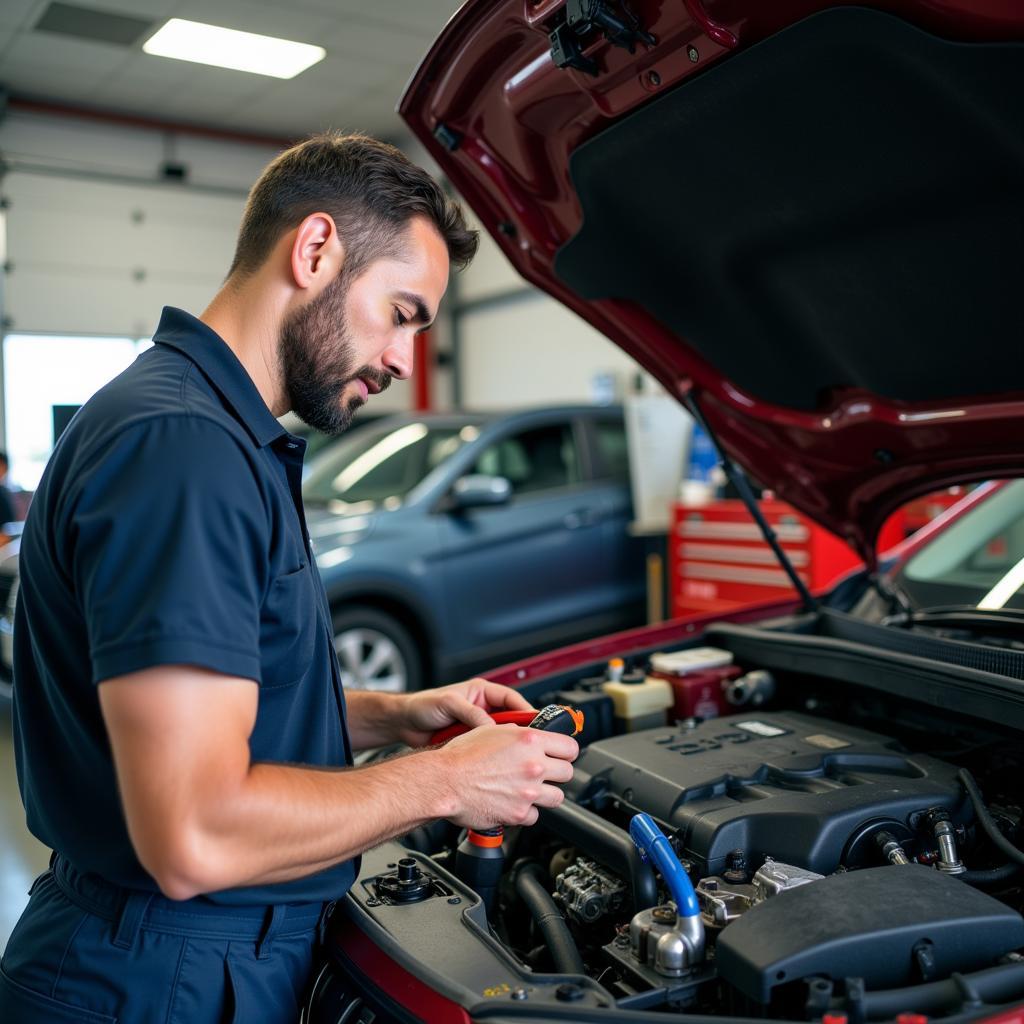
(376, 652)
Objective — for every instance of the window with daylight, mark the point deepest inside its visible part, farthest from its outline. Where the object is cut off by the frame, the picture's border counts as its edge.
(46, 379)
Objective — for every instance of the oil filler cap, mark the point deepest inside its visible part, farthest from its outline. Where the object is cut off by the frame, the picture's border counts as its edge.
(406, 885)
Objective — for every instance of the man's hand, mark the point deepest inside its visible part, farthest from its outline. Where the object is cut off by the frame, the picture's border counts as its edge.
(501, 775)
(469, 702)
(203, 817)
(377, 719)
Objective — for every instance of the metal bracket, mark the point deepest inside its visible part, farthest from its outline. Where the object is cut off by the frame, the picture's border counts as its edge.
(612, 18)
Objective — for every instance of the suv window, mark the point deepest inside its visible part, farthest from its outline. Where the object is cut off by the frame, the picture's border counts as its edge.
(613, 450)
(534, 460)
(381, 464)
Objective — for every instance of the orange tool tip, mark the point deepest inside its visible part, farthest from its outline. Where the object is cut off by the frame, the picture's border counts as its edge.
(478, 839)
(577, 718)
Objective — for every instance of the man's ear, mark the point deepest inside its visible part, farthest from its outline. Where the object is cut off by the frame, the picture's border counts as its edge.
(317, 253)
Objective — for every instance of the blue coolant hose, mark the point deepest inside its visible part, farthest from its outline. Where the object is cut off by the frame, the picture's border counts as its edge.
(654, 844)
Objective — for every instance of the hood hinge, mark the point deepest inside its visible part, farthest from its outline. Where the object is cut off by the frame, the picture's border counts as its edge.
(612, 17)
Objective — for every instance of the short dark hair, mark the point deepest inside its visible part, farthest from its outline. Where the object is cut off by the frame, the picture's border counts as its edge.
(371, 189)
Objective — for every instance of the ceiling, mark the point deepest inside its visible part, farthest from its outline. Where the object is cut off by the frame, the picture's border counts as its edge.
(372, 49)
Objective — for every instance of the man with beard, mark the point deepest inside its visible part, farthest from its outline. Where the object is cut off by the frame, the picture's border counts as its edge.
(183, 741)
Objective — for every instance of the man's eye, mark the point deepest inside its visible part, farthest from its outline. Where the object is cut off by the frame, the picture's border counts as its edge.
(400, 318)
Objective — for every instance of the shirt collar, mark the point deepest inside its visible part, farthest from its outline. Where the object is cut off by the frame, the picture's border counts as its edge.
(208, 350)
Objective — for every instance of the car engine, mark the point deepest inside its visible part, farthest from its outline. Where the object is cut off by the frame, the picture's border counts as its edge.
(836, 818)
(788, 859)
(779, 784)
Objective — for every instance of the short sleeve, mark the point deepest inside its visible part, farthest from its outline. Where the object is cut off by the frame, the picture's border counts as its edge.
(167, 545)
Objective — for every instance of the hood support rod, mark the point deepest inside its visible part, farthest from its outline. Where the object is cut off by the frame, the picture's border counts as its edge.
(739, 480)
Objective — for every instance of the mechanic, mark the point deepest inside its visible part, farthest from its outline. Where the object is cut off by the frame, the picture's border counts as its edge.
(183, 742)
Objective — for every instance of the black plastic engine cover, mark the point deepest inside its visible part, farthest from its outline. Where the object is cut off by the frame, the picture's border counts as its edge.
(781, 785)
(866, 924)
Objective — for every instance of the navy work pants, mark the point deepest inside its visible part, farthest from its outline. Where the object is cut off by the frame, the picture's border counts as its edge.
(89, 952)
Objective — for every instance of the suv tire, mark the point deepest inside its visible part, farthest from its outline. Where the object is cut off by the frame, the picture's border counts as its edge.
(376, 651)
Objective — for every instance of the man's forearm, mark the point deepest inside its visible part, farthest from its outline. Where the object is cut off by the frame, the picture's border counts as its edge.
(287, 821)
(203, 817)
(374, 719)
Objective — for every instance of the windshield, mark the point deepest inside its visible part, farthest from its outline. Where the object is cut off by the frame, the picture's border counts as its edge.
(382, 464)
(978, 560)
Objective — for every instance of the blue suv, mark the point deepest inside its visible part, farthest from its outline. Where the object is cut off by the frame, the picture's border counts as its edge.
(452, 543)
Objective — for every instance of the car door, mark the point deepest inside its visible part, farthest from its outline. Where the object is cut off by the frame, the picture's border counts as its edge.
(520, 575)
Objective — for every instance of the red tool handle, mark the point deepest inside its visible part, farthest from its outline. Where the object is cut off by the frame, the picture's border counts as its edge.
(500, 718)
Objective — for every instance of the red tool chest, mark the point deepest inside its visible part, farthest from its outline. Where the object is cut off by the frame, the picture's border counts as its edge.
(718, 558)
(922, 511)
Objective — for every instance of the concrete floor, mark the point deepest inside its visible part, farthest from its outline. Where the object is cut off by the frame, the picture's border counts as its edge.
(22, 857)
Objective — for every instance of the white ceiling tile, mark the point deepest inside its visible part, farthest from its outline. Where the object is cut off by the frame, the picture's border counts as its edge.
(21, 12)
(334, 80)
(155, 9)
(372, 114)
(48, 83)
(293, 119)
(139, 68)
(263, 122)
(378, 102)
(195, 111)
(388, 47)
(214, 83)
(372, 50)
(249, 16)
(410, 15)
(145, 96)
(44, 49)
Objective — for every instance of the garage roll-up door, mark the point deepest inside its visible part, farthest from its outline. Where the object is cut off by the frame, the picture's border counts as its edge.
(103, 257)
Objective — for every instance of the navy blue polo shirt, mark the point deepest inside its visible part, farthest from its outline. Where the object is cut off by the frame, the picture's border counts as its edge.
(168, 529)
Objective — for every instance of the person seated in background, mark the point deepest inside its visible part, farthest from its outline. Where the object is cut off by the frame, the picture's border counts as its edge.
(8, 513)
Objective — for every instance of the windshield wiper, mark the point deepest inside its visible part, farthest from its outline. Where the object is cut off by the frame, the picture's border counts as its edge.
(1003, 622)
(892, 593)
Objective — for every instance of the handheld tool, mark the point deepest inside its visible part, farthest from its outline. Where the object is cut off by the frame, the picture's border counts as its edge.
(480, 857)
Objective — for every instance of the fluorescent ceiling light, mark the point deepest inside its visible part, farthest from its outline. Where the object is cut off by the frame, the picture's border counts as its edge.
(229, 48)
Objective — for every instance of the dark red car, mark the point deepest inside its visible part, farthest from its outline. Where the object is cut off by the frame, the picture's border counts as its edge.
(806, 219)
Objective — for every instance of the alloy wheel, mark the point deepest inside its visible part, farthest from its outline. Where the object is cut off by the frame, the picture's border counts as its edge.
(370, 660)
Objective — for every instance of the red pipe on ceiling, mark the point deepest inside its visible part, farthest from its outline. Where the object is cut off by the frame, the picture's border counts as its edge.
(136, 121)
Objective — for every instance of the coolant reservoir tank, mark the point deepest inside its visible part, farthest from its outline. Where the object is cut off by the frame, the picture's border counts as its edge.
(639, 704)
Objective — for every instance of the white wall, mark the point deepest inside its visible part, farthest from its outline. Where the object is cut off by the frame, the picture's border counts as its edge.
(80, 144)
(92, 257)
(98, 242)
(490, 273)
(535, 352)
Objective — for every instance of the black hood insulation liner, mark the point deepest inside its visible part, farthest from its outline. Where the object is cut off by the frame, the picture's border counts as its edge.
(839, 206)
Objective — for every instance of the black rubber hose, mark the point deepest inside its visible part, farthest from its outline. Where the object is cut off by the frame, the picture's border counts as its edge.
(990, 876)
(994, 985)
(533, 892)
(607, 843)
(985, 819)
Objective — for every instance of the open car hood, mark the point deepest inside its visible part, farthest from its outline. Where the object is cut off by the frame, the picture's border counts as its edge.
(809, 217)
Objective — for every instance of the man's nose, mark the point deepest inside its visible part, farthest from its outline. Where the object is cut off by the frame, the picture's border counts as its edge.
(398, 357)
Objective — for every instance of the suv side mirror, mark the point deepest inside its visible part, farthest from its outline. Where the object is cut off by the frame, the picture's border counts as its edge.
(477, 490)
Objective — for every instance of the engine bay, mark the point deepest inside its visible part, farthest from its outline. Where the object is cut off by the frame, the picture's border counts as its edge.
(812, 850)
